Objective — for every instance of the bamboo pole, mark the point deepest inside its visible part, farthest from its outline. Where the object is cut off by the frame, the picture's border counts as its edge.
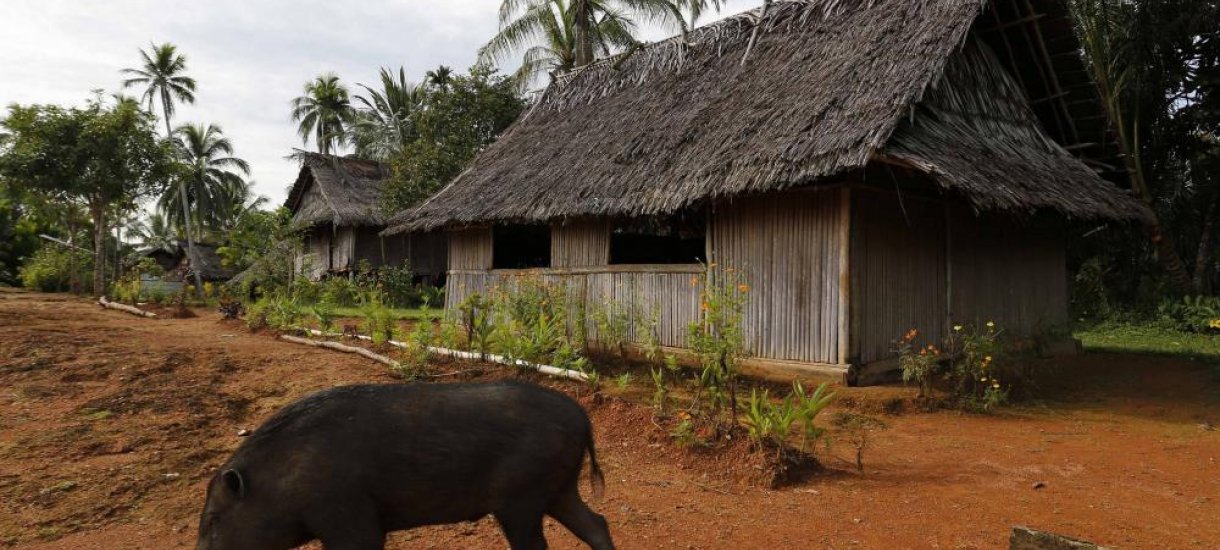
(124, 307)
(469, 355)
(341, 347)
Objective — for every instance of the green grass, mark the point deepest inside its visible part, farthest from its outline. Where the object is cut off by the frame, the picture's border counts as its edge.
(413, 314)
(1150, 340)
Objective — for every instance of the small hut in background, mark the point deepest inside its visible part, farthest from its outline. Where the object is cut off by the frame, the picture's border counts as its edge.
(869, 167)
(177, 269)
(337, 200)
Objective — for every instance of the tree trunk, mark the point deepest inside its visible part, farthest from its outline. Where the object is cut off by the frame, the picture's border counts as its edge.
(186, 223)
(1204, 256)
(99, 248)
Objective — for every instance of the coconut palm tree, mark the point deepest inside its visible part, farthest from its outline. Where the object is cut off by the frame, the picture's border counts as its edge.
(440, 77)
(559, 35)
(323, 112)
(211, 173)
(162, 76)
(382, 126)
(236, 200)
(155, 233)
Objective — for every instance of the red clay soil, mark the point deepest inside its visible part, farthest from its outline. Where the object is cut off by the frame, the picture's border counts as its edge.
(110, 426)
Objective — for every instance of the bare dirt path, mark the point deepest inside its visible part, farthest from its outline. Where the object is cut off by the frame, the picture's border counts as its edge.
(111, 424)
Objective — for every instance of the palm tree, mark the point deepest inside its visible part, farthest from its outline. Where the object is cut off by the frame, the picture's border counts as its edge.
(155, 233)
(440, 77)
(1136, 52)
(162, 77)
(383, 125)
(323, 112)
(235, 201)
(559, 35)
(212, 172)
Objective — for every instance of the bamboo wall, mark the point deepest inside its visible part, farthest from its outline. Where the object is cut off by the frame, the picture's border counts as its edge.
(898, 271)
(1010, 272)
(646, 293)
(580, 243)
(919, 264)
(470, 249)
(790, 248)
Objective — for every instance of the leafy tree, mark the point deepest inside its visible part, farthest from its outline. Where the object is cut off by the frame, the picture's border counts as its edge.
(559, 35)
(383, 125)
(100, 157)
(162, 76)
(452, 125)
(1153, 61)
(323, 112)
(155, 233)
(213, 177)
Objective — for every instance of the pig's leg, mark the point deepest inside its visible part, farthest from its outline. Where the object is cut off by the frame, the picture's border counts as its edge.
(586, 524)
(522, 526)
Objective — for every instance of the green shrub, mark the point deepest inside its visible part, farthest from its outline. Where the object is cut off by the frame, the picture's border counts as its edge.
(1191, 313)
(717, 338)
(475, 314)
(768, 422)
(379, 321)
(56, 269)
(323, 311)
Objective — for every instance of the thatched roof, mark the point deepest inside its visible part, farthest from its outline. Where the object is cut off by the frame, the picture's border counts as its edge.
(338, 190)
(210, 268)
(823, 91)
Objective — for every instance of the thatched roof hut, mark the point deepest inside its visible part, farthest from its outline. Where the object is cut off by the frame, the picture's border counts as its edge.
(178, 266)
(338, 202)
(869, 166)
(342, 191)
(829, 86)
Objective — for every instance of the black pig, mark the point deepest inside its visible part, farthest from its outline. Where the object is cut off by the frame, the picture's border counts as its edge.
(350, 464)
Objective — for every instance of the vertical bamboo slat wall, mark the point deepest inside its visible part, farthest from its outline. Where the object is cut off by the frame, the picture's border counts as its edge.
(788, 249)
(916, 264)
(470, 249)
(897, 271)
(1010, 273)
(580, 243)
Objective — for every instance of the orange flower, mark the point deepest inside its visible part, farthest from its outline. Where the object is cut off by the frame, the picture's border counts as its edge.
(703, 306)
(743, 287)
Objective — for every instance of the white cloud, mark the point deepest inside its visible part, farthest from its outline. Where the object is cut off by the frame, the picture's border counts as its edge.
(249, 57)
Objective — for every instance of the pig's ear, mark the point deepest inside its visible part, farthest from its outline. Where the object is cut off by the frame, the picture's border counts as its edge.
(234, 482)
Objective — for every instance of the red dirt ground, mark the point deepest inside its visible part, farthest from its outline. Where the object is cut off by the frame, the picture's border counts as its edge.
(111, 424)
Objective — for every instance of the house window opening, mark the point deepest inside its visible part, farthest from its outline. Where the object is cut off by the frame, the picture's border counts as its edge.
(676, 239)
(521, 247)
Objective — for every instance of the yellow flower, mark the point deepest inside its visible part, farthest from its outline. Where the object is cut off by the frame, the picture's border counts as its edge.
(983, 379)
(987, 358)
(957, 328)
(996, 385)
(990, 324)
(703, 306)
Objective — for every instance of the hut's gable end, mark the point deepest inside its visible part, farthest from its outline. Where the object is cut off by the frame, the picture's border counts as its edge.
(338, 190)
(975, 133)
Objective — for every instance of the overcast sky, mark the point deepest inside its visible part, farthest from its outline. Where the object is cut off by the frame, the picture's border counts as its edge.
(250, 58)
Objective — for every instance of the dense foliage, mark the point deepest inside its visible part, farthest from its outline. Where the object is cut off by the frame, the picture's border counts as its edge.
(454, 121)
(100, 157)
(1157, 63)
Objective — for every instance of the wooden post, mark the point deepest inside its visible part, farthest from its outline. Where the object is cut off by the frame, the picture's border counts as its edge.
(844, 275)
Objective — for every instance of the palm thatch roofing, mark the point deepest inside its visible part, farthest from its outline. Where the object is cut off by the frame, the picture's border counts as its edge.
(176, 263)
(827, 86)
(343, 191)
